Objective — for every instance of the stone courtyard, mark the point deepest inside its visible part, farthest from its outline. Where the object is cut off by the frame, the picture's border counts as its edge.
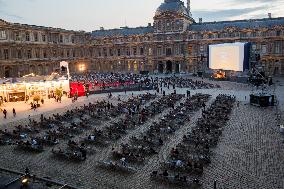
(249, 154)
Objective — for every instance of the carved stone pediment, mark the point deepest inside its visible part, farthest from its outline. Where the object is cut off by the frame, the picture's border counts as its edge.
(231, 28)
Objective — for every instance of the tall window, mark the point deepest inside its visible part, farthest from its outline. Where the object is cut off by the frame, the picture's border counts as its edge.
(3, 35)
(61, 39)
(141, 50)
(6, 54)
(277, 47)
(134, 51)
(67, 39)
(159, 51)
(29, 54)
(37, 54)
(17, 36)
(36, 36)
(127, 52)
(168, 51)
(27, 36)
(105, 52)
(43, 38)
(19, 54)
(44, 54)
(263, 49)
(110, 52)
(118, 52)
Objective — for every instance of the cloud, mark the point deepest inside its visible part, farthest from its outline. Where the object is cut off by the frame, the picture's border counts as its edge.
(10, 16)
(7, 14)
(240, 9)
(225, 14)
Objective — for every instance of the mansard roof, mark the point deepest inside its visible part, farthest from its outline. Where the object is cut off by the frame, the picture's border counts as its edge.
(240, 24)
(35, 27)
(125, 31)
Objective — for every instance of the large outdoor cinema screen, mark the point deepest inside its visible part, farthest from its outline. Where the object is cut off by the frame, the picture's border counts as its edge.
(229, 56)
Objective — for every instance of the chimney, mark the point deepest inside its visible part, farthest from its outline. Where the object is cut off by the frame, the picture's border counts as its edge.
(102, 28)
(149, 24)
(269, 15)
(200, 20)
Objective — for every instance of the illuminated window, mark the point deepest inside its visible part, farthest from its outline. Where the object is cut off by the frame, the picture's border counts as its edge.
(135, 66)
(82, 67)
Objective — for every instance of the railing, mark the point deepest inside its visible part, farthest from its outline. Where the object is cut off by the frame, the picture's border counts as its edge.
(45, 180)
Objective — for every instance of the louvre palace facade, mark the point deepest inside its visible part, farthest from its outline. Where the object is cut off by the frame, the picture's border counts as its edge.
(174, 43)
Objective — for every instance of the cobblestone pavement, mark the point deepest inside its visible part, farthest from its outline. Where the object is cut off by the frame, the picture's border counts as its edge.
(249, 155)
(251, 152)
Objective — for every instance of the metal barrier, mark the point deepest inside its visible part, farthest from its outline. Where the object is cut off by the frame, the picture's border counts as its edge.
(47, 181)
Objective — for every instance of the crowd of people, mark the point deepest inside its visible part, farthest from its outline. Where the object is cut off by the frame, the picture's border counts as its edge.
(72, 134)
(148, 143)
(190, 156)
(114, 79)
(50, 130)
(123, 81)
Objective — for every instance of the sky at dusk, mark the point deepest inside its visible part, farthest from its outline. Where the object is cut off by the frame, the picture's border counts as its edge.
(90, 15)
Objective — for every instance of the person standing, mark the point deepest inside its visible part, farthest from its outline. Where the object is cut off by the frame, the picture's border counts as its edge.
(188, 93)
(30, 120)
(5, 113)
(14, 112)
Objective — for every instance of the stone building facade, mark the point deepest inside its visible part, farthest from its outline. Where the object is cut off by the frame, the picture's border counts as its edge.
(26, 49)
(173, 43)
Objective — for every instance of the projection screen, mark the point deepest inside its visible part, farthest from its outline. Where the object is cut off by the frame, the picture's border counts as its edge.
(227, 56)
